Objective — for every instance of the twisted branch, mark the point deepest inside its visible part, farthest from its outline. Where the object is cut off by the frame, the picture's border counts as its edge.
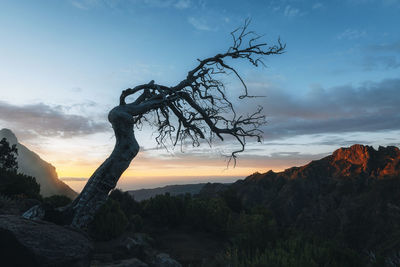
(198, 105)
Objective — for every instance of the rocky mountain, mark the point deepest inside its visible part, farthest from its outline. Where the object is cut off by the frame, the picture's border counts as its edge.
(355, 161)
(30, 163)
(351, 196)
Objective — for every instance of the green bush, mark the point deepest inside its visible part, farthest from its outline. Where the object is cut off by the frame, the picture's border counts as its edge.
(165, 210)
(109, 222)
(137, 222)
(211, 215)
(57, 201)
(294, 251)
(126, 202)
(8, 156)
(232, 200)
(254, 230)
(18, 185)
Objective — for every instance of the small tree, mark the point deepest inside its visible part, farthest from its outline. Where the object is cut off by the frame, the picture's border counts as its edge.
(8, 156)
(197, 108)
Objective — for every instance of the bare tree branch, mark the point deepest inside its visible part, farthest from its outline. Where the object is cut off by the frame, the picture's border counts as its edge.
(199, 104)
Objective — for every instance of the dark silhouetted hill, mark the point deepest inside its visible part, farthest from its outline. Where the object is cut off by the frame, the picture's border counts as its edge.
(174, 190)
(351, 195)
(31, 164)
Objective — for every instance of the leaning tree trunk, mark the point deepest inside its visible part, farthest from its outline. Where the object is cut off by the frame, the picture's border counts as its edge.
(105, 178)
(197, 103)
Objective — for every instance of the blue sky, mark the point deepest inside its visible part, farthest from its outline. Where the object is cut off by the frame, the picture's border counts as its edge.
(63, 65)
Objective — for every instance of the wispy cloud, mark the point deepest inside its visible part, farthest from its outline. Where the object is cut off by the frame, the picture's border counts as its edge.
(182, 4)
(291, 12)
(351, 34)
(383, 56)
(210, 159)
(80, 5)
(200, 24)
(369, 107)
(385, 47)
(381, 62)
(317, 5)
(383, 2)
(89, 4)
(44, 120)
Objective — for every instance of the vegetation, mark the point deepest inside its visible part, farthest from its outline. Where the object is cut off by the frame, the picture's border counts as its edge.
(13, 184)
(57, 201)
(18, 185)
(110, 221)
(8, 156)
(297, 250)
(252, 236)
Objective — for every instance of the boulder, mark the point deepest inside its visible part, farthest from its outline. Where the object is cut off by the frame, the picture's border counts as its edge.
(164, 260)
(25, 242)
(123, 263)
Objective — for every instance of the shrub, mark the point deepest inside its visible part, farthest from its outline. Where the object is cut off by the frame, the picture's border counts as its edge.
(137, 222)
(8, 156)
(165, 210)
(255, 230)
(211, 215)
(57, 201)
(18, 185)
(109, 222)
(294, 251)
(126, 202)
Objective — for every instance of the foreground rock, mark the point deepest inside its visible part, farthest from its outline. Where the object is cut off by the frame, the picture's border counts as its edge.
(122, 263)
(132, 250)
(164, 260)
(36, 243)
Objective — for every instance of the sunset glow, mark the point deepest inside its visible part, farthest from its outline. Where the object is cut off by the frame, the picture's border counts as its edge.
(64, 64)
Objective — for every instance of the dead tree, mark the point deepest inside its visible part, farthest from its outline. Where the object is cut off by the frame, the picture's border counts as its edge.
(195, 109)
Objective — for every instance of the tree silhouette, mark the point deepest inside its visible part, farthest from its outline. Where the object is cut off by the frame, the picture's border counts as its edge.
(8, 156)
(197, 108)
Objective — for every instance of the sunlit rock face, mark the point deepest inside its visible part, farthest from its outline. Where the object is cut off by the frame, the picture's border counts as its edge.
(354, 161)
(30, 163)
(365, 160)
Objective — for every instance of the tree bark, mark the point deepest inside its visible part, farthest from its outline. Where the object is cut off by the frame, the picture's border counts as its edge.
(105, 178)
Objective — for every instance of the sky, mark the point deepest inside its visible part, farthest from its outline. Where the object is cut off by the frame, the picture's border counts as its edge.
(63, 65)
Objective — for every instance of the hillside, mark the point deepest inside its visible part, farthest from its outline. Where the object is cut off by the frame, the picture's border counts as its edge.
(31, 164)
(351, 196)
(174, 190)
(342, 210)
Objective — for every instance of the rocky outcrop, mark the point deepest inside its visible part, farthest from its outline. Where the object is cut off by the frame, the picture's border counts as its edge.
(131, 249)
(164, 260)
(36, 243)
(357, 160)
(31, 164)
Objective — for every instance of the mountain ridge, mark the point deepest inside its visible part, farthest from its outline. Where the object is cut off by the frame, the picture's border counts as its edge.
(357, 160)
(143, 194)
(350, 195)
(32, 164)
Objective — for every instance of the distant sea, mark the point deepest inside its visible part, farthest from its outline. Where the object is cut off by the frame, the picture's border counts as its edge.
(133, 183)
